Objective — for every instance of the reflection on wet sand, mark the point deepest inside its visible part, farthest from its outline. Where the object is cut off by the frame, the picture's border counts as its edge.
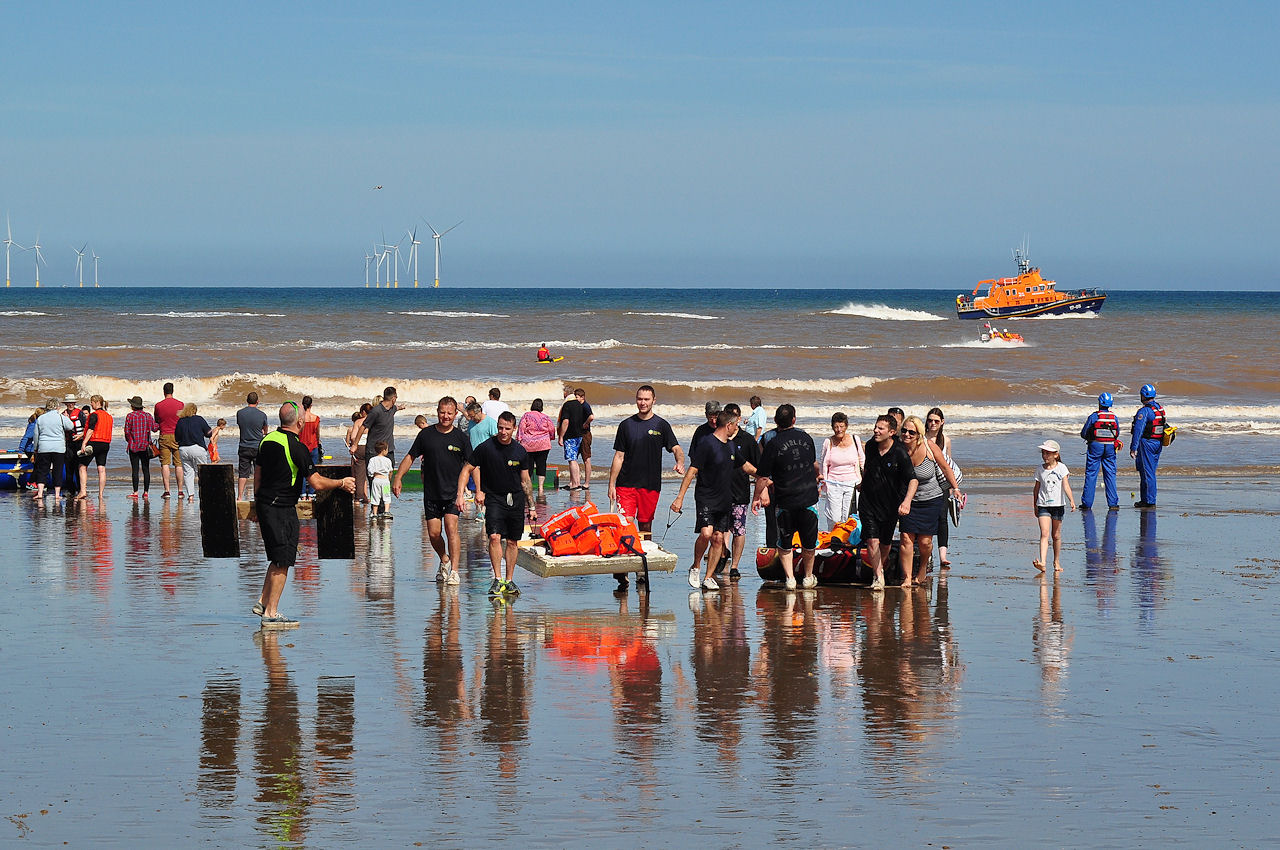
(624, 644)
(278, 756)
(446, 706)
(1150, 576)
(785, 677)
(504, 697)
(910, 677)
(219, 737)
(721, 670)
(335, 743)
(1101, 563)
(1051, 642)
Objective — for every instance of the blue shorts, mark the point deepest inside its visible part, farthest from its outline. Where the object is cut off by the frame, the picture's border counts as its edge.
(1055, 511)
(572, 448)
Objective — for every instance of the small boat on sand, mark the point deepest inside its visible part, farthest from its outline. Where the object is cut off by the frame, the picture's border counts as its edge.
(15, 471)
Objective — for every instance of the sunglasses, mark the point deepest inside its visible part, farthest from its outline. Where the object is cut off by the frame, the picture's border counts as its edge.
(908, 433)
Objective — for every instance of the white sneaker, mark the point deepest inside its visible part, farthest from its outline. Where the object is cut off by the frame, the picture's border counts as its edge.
(709, 585)
(695, 574)
(809, 581)
(454, 578)
(790, 584)
(878, 584)
(442, 574)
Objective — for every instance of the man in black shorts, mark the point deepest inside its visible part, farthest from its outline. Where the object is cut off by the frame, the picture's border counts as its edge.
(741, 487)
(714, 460)
(252, 425)
(500, 469)
(790, 463)
(283, 463)
(886, 475)
(444, 450)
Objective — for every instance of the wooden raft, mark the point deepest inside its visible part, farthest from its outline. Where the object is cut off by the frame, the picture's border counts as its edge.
(536, 560)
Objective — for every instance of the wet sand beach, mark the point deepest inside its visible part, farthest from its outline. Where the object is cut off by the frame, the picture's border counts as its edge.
(1127, 703)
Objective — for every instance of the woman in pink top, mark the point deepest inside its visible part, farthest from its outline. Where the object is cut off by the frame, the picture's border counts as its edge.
(842, 461)
(535, 432)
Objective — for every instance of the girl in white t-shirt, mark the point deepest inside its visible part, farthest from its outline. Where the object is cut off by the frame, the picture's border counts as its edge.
(1049, 497)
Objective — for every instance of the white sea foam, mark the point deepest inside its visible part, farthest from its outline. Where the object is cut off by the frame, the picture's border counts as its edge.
(673, 315)
(1085, 315)
(207, 314)
(824, 386)
(883, 311)
(995, 343)
(24, 313)
(450, 314)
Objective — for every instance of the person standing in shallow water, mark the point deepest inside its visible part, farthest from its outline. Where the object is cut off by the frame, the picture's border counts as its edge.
(1101, 432)
(283, 463)
(1145, 443)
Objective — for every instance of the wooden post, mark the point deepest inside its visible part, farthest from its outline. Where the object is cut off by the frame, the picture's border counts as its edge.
(335, 517)
(219, 529)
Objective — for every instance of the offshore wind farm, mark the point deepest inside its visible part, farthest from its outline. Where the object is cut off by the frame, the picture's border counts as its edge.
(38, 259)
(388, 254)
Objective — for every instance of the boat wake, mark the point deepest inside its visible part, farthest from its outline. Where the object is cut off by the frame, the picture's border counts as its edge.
(885, 312)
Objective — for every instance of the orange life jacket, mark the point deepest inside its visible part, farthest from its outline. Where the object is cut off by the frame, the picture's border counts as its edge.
(102, 428)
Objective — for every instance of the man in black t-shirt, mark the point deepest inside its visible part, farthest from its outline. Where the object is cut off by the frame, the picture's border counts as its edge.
(569, 433)
(886, 474)
(714, 461)
(282, 465)
(444, 450)
(741, 488)
(790, 463)
(499, 468)
(380, 423)
(712, 409)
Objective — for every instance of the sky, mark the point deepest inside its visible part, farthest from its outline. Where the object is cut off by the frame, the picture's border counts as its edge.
(658, 144)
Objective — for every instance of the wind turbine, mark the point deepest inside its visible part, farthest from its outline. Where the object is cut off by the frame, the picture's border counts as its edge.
(80, 263)
(381, 255)
(95, 270)
(39, 259)
(413, 254)
(367, 259)
(8, 243)
(393, 251)
(436, 236)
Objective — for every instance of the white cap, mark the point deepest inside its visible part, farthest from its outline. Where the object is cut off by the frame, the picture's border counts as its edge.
(1050, 446)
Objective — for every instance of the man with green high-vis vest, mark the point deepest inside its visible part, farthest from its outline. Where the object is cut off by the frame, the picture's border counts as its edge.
(283, 463)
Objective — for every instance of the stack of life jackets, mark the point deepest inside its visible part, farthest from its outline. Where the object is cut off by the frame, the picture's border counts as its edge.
(583, 530)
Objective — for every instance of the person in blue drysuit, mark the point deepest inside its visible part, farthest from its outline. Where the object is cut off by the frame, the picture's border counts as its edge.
(1145, 444)
(1102, 432)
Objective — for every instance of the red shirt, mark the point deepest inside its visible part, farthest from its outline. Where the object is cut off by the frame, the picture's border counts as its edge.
(167, 414)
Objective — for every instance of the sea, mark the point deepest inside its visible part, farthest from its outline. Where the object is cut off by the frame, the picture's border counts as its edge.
(1212, 357)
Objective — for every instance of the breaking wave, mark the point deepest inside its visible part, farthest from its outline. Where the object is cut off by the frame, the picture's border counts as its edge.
(885, 312)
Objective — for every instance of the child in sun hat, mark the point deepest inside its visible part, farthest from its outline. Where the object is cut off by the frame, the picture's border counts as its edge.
(1050, 497)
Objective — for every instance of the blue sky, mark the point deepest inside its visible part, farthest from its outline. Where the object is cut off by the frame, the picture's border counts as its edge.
(692, 144)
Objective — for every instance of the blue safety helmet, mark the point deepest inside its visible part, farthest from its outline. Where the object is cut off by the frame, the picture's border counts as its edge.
(1148, 392)
(1104, 400)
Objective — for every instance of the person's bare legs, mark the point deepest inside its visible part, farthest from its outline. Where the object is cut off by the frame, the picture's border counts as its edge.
(925, 545)
(513, 549)
(102, 482)
(1046, 531)
(736, 549)
(806, 562)
(1057, 545)
(435, 533)
(164, 474)
(495, 554)
(272, 588)
(875, 560)
(906, 554)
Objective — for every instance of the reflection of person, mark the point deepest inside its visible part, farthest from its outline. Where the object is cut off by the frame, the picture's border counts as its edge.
(278, 749)
(1050, 640)
(1145, 444)
(282, 464)
(1050, 496)
(444, 450)
(504, 701)
(1102, 433)
(1147, 567)
(1100, 562)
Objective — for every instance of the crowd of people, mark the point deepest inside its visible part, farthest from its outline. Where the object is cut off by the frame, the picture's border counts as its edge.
(897, 483)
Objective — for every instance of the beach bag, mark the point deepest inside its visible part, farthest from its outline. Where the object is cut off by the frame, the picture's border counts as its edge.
(942, 476)
(153, 449)
(1170, 432)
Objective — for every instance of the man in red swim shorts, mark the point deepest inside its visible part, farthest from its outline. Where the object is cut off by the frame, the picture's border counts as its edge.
(635, 478)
